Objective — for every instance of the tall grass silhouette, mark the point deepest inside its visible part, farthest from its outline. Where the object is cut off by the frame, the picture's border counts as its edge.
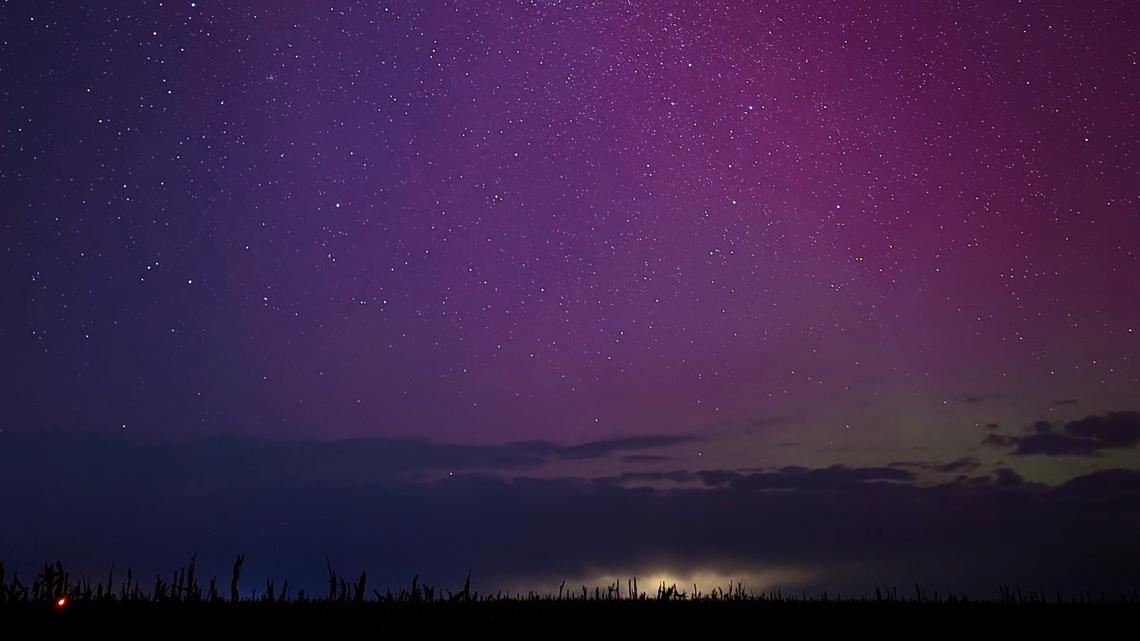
(54, 587)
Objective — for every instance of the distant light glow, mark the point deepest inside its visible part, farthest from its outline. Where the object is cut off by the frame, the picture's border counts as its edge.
(705, 581)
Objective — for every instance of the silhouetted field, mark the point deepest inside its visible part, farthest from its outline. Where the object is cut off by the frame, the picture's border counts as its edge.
(54, 600)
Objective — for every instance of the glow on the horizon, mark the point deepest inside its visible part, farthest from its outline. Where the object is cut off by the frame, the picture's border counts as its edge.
(649, 580)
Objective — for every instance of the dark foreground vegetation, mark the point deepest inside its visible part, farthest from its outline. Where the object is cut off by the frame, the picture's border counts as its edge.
(54, 600)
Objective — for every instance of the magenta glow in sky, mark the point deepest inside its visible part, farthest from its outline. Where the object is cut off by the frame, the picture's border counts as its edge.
(768, 234)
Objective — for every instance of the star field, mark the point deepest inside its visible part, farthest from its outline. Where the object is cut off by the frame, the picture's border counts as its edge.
(763, 223)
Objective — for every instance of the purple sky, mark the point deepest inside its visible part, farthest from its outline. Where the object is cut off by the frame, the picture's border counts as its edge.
(730, 237)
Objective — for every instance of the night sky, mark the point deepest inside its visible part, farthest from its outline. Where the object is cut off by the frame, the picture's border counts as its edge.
(821, 295)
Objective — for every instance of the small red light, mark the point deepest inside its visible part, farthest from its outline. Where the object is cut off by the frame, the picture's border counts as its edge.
(62, 602)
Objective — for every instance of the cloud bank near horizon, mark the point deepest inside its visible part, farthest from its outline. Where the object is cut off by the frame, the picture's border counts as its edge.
(839, 527)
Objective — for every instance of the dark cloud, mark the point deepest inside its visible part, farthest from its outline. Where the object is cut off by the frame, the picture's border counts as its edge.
(787, 478)
(962, 465)
(1007, 477)
(1066, 401)
(714, 478)
(1113, 430)
(90, 503)
(675, 476)
(645, 458)
(1103, 489)
(966, 464)
(834, 477)
(992, 426)
(963, 479)
(599, 449)
(221, 462)
(1088, 436)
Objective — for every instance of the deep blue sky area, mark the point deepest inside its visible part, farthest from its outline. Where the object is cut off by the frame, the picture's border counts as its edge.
(815, 295)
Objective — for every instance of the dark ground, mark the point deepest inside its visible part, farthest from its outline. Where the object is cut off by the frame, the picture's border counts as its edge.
(547, 618)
